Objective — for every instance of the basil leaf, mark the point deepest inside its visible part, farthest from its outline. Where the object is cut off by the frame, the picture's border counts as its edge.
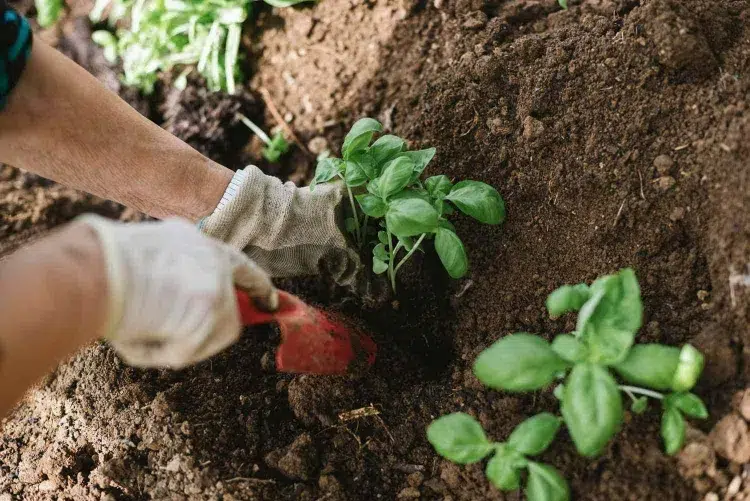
(688, 403)
(545, 484)
(378, 266)
(383, 237)
(438, 186)
(591, 407)
(409, 217)
(360, 136)
(639, 405)
(412, 193)
(373, 187)
(371, 205)
(395, 176)
(651, 365)
(379, 252)
(567, 298)
(420, 158)
(503, 473)
(534, 435)
(365, 162)
(386, 148)
(570, 348)
(444, 223)
(48, 12)
(354, 175)
(672, 430)
(519, 362)
(478, 200)
(611, 317)
(689, 369)
(452, 253)
(459, 437)
(326, 169)
(407, 242)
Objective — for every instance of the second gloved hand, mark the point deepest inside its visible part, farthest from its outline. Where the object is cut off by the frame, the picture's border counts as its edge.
(171, 291)
(288, 231)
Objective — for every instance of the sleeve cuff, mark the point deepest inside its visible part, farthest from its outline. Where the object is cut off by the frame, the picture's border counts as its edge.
(234, 186)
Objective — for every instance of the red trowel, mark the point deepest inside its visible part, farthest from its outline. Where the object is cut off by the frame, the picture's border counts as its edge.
(312, 341)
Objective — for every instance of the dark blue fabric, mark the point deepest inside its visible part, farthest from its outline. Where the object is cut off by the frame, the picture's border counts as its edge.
(15, 49)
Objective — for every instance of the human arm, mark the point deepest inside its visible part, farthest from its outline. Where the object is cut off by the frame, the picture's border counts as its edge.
(161, 293)
(63, 124)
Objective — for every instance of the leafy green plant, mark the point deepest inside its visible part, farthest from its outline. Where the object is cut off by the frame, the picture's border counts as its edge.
(610, 313)
(157, 35)
(274, 147)
(48, 12)
(385, 187)
(461, 439)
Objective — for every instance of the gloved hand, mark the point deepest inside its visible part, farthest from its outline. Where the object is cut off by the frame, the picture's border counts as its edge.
(288, 231)
(171, 291)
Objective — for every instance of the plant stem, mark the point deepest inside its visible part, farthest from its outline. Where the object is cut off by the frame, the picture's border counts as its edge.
(412, 251)
(641, 391)
(256, 130)
(391, 272)
(364, 230)
(358, 236)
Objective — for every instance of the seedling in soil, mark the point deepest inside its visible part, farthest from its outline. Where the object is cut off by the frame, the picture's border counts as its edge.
(394, 210)
(274, 147)
(157, 35)
(610, 313)
(461, 439)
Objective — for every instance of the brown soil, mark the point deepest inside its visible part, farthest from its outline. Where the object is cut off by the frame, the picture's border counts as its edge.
(618, 134)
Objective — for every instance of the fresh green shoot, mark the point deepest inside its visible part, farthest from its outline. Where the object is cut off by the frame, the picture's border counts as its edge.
(48, 12)
(198, 34)
(610, 313)
(394, 210)
(461, 439)
(563, 4)
(275, 147)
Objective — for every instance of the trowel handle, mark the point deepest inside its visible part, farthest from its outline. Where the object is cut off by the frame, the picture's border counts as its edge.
(250, 314)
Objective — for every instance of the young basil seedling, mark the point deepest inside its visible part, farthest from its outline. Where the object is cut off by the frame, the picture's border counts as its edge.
(384, 186)
(610, 313)
(460, 438)
(274, 147)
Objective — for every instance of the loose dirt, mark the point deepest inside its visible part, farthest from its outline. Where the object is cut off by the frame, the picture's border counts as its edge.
(618, 134)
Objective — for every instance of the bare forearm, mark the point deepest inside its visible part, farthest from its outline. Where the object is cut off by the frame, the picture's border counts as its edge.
(52, 301)
(61, 123)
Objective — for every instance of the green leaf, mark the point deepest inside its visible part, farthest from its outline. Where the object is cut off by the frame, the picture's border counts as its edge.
(383, 237)
(277, 147)
(420, 158)
(108, 42)
(360, 136)
(567, 298)
(559, 391)
(478, 200)
(386, 148)
(407, 242)
(366, 163)
(379, 252)
(438, 186)
(545, 484)
(639, 405)
(570, 348)
(444, 223)
(563, 4)
(519, 362)
(534, 435)
(48, 12)
(503, 473)
(689, 369)
(688, 403)
(355, 176)
(611, 317)
(409, 217)
(459, 437)
(651, 365)
(327, 169)
(378, 266)
(350, 224)
(452, 253)
(371, 205)
(373, 187)
(412, 193)
(284, 3)
(672, 430)
(591, 407)
(395, 176)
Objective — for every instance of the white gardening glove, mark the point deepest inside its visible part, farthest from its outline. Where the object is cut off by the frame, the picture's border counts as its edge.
(171, 291)
(289, 231)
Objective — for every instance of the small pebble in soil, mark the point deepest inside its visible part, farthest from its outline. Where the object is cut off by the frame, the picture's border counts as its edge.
(731, 438)
(734, 487)
(532, 128)
(678, 214)
(663, 164)
(664, 183)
